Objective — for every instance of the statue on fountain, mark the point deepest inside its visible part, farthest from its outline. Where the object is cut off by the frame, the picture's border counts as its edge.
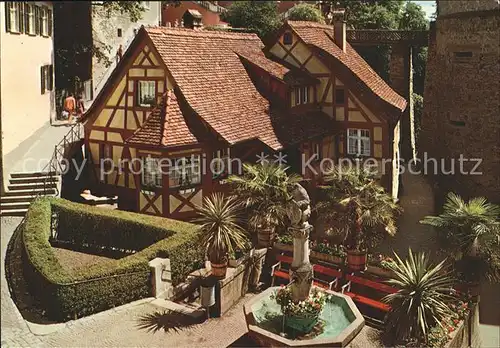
(301, 270)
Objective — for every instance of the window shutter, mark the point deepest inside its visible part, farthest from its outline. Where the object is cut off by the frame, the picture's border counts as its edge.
(26, 18)
(42, 79)
(20, 16)
(51, 77)
(37, 20)
(8, 5)
(49, 19)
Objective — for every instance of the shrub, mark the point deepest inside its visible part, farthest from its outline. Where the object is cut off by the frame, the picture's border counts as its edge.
(109, 283)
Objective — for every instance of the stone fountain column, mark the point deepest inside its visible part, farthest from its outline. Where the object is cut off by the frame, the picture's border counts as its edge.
(301, 270)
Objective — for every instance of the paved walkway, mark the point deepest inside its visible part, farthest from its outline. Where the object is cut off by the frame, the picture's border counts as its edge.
(35, 152)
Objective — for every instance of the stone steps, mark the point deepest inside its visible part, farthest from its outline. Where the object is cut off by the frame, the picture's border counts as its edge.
(23, 188)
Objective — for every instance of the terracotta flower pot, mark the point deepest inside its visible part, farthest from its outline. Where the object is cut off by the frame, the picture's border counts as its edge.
(219, 269)
(356, 260)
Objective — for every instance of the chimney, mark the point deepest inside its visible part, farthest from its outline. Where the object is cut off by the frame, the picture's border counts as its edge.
(339, 28)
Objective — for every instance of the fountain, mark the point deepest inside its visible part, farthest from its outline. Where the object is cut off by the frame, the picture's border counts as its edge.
(302, 314)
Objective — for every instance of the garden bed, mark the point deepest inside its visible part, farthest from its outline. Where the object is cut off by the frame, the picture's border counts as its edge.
(85, 288)
(73, 261)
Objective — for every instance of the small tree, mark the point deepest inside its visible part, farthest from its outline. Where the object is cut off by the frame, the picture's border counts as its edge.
(259, 16)
(422, 301)
(222, 233)
(264, 190)
(470, 232)
(358, 207)
(306, 12)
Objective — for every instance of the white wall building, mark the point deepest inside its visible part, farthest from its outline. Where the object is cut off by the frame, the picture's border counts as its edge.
(26, 72)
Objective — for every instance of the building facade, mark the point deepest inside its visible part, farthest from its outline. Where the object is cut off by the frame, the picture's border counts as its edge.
(461, 116)
(183, 103)
(209, 11)
(26, 73)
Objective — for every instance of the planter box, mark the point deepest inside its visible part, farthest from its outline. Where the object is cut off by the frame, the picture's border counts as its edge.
(327, 258)
(283, 247)
(236, 262)
(379, 271)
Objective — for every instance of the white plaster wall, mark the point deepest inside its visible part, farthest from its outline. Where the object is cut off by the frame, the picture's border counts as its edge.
(24, 108)
(105, 31)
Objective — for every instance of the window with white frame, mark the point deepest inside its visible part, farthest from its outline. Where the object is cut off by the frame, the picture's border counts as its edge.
(146, 93)
(12, 17)
(301, 95)
(184, 172)
(151, 174)
(220, 163)
(358, 142)
(30, 19)
(45, 21)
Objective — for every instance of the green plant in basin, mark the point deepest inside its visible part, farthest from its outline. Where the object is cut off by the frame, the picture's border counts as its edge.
(303, 315)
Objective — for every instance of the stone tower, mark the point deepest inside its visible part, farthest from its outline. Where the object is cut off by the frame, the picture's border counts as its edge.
(462, 99)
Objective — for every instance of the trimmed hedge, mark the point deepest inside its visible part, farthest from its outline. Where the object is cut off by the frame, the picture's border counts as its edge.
(109, 283)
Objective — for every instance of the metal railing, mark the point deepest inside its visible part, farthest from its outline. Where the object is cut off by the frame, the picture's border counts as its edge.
(55, 167)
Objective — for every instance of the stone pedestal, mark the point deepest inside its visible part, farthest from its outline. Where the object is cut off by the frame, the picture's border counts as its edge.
(161, 276)
(301, 270)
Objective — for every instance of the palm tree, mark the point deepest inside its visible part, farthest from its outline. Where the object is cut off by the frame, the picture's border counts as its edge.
(264, 190)
(222, 233)
(358, 207)
(470, 232)
(422, 299)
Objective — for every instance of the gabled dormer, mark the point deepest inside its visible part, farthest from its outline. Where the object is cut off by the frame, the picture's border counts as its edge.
(281, 84)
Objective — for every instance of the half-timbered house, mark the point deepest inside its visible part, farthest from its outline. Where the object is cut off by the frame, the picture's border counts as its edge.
(181, 98)
(364, 109)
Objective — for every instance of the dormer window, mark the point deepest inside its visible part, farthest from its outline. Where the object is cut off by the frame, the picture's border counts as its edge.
(287, 38)
(301, 95)
(339, 96)
(146, 93)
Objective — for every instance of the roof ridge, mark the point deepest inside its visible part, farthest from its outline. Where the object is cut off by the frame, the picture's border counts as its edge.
(201, 33)
(309, 24)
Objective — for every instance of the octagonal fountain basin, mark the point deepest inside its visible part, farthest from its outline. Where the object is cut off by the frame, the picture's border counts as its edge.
(340, 322)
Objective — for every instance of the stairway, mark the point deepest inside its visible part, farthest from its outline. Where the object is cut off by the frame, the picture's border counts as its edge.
(24, 187)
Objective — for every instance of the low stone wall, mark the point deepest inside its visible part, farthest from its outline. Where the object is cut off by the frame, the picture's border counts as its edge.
(232, 288)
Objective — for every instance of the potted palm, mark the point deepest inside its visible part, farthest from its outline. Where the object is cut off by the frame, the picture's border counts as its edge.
(221, 232)
(470, 232)
(264, 189)
(423, 300)
(356, 206)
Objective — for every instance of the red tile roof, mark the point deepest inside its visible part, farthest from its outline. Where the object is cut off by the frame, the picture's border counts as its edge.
(214, 82)
(321, 36)
(165, 126)
(277, 70)
(293, 129)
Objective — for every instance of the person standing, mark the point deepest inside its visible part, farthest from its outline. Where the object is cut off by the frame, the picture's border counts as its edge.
(119, 54)
(70, 106)
(80, 106)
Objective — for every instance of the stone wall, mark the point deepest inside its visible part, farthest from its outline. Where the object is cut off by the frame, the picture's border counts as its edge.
(447, 7)
(461, 104)
(105, 33)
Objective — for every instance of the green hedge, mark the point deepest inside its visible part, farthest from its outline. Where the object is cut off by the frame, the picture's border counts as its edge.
(110, 283)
